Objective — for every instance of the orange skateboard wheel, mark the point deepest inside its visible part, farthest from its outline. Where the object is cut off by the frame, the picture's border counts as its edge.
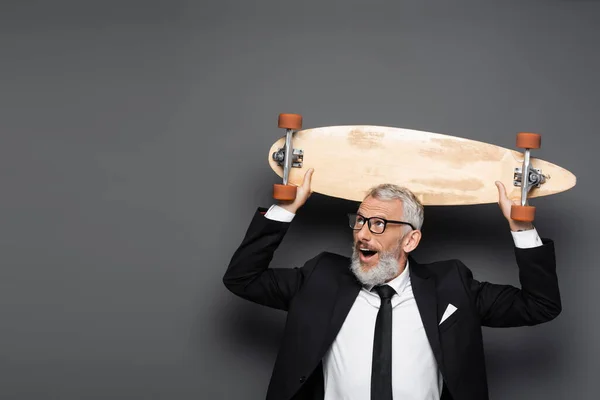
(284, 192)
(290, 121)
(526, 140)
(522, 213)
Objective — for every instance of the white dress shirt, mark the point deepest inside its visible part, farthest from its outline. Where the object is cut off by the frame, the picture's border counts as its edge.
(347, 363)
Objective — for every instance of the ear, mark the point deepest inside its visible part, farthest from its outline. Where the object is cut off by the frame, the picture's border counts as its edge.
(411, 240)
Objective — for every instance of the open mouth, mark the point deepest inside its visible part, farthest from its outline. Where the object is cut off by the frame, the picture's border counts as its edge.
(366, 254)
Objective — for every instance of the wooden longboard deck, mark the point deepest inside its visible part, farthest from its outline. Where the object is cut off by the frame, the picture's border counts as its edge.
(440, 169)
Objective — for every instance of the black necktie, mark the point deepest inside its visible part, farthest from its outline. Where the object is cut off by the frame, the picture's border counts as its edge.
(381, 373)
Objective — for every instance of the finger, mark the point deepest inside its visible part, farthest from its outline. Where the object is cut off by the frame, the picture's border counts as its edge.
(305, 180)
(501, 190)
(308, 179)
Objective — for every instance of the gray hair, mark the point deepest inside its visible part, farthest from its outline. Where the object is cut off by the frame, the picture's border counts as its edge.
(412, 209)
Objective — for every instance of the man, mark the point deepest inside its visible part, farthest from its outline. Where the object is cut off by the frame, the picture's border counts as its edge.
(380, 325)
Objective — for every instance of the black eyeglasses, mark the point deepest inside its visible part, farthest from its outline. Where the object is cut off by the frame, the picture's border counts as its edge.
(376, 225)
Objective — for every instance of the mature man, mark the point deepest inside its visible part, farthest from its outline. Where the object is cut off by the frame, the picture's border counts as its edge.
(380, 325)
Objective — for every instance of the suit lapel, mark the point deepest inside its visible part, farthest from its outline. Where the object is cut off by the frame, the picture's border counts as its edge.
(424, 290)
(347, 291)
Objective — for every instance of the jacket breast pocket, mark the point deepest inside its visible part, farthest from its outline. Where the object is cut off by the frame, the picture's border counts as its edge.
(450, 321)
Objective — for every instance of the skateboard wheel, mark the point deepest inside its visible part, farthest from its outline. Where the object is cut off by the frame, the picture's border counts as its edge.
(284, 192)
(527, 140)
(522, 213)
(290, 121)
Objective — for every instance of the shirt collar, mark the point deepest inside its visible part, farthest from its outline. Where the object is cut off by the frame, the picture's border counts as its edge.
(398, 283)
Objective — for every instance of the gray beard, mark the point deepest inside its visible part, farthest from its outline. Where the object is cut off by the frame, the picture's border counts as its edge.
(385, 270)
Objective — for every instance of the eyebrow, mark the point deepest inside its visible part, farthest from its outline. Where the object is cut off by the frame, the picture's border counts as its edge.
(373, 216)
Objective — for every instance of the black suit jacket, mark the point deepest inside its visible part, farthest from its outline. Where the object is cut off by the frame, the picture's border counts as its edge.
(319, 295)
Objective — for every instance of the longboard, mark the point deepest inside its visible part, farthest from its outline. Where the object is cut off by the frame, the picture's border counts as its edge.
(440, 169)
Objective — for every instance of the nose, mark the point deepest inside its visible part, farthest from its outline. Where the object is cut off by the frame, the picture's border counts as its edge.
(364, 234)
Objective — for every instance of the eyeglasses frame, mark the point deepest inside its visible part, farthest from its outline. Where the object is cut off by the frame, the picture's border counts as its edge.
(385, 222)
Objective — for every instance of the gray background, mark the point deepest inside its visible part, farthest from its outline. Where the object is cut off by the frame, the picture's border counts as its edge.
(133, 146)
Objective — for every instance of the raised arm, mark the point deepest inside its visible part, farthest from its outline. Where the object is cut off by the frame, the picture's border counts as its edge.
(248, 274)
(538, 299)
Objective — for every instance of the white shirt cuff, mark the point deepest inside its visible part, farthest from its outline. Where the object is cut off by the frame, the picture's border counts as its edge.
(526, 239)
(277, 213)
